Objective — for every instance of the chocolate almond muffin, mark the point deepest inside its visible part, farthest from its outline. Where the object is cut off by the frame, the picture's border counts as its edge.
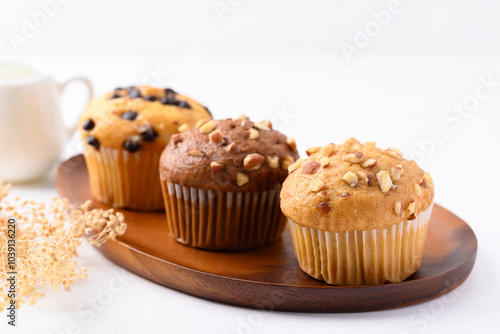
(221, 182)
(124, 133)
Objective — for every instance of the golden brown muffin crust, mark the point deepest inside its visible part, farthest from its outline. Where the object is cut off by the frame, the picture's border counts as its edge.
(354, 187)
(228, 155)
(144, 116)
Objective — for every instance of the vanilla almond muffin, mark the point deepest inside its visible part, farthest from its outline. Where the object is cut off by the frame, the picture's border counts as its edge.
(221, 182)
(124, 133)
(358, 214)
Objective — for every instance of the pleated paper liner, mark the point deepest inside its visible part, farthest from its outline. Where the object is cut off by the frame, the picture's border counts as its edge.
(125, 180)
(377, 256)
(219, 220)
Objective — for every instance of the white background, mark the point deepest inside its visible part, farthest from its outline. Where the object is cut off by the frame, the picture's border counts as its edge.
(282, 60)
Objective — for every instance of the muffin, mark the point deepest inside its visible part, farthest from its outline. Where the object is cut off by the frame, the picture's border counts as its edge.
(124, 133)
(221, 182)
(358, 214)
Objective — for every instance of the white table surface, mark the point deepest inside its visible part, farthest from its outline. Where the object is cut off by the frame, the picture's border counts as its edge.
(392, 100)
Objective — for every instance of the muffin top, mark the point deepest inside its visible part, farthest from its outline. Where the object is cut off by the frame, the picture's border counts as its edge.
(354, 187)
(138, 118)
(228, 155)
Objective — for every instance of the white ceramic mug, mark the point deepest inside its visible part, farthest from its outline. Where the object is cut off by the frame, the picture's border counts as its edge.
(32, 132)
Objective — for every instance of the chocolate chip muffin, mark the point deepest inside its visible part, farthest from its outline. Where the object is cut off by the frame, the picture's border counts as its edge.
(221, 182)
(358, 214)
(124, 133)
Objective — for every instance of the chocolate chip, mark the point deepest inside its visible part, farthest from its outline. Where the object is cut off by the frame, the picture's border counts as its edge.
(129, 115)
(92, 141)
(183, 104)
(168, 101)
(88, 124)
(114, 96)
(132, 144)
(134, 93)
(169, 91)
(149, 134)
(151, 98)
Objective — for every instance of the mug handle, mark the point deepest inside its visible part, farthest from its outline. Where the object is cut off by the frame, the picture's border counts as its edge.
(71, 130)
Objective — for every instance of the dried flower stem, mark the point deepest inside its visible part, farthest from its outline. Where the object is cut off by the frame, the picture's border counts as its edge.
(47, 239)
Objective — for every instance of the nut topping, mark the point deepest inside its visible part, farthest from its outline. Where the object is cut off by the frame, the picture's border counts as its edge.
(367, 177)
(253, 134)
(253, 161)
(396, 172)
(311, 167)
(370, 144)
(229, 147)
(328, 150)
(352, 147)
(216, 167)
(176, 139)
(324, 162)
(241, 117)
(246, 123)
(422, 183)
(295, 165)
(345, 195)
(428, 180)
(291, 143)
(371, 179)
(216, 137)
(316, 185)
(369, 163)
(322, 194)
(208, 127)
(350, 178)
(241, 179)
(324, 208)
(287, 162)
(263, 125)
(201, 122)
(394, 152)
(353, 157)
(273, 161)
(312, 150)
(411, 207)
(183, 127)
(418, 190)
(196, 153)
(397, 208)
(384, 180)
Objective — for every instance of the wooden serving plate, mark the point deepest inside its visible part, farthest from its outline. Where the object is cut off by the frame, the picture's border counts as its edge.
(270, 277)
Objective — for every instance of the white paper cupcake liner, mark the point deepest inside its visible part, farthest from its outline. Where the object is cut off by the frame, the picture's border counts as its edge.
(377, 256)
(214, 220)
(125, 180)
